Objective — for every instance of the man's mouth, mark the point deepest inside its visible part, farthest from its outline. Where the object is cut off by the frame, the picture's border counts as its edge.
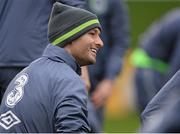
(94, 50)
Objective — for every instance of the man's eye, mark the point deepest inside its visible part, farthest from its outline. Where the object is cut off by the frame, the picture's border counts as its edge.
(92, 33)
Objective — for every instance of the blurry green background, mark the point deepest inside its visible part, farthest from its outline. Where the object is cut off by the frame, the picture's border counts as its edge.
(121, 115)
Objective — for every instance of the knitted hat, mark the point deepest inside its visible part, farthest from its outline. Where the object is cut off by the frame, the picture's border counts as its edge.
(68, 23)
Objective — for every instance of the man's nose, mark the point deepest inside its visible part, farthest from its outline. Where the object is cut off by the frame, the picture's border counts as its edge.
(99, 42)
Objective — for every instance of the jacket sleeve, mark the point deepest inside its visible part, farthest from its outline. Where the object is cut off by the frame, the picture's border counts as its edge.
(160, 103)
(74, 3)
(166, 121)
(119, 37)
(71, 107)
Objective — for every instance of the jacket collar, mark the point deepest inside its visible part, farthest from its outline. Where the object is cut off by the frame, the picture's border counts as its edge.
(58, 54)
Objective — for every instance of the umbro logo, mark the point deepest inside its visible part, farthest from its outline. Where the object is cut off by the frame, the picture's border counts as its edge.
(8, 119)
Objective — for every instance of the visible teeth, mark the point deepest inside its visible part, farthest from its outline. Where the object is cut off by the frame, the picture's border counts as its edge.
(94, 50)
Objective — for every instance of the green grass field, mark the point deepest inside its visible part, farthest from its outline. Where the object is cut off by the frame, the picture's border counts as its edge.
(144, 12)
(125, 124)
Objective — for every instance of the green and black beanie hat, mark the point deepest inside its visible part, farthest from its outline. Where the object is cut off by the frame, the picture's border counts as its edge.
(68, 23)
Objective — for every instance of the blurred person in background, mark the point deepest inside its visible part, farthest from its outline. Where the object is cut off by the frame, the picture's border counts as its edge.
(156, 60)
(113, 16)
(23, 28)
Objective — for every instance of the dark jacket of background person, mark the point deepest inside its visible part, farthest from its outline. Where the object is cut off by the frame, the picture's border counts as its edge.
(157, 59)
(23, 28)
(23, 34)
(113, 16)
(115, 35)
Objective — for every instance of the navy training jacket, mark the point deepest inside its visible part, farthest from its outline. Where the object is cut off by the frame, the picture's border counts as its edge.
(47, 96)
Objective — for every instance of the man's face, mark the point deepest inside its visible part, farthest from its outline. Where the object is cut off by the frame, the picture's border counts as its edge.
(85, 48)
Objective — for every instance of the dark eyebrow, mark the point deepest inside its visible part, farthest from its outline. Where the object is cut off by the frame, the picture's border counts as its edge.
(97, 30)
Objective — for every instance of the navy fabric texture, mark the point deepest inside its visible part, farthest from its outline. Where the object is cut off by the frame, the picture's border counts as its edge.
(23, 28)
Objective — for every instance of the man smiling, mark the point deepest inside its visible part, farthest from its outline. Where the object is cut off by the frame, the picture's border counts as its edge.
(49, 95)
